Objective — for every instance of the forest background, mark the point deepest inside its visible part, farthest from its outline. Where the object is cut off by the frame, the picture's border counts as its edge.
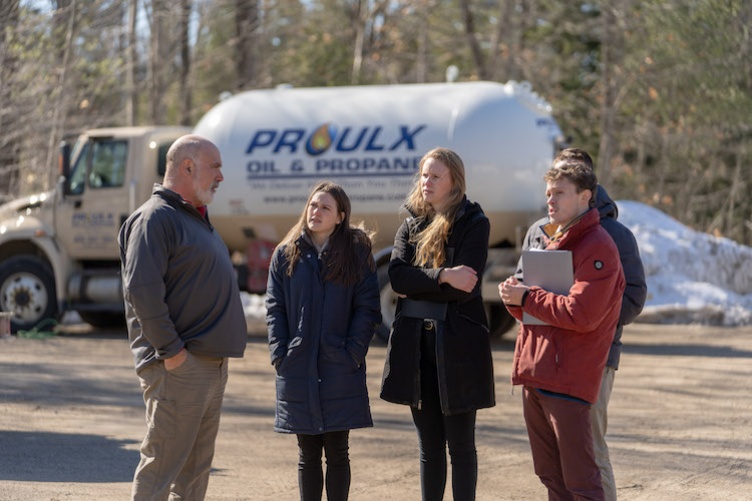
(660, 91)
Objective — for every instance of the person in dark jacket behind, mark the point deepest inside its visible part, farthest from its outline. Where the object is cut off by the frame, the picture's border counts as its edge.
(184, 315)
(561, 361)
(322, 311)
(632, 303)
(439, 355)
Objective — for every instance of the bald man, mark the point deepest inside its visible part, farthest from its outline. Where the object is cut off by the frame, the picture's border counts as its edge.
(185, 319)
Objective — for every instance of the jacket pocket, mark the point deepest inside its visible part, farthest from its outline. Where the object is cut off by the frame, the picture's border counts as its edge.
(341, 357)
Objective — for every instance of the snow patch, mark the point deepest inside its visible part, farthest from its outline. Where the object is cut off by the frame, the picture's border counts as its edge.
(692, 277)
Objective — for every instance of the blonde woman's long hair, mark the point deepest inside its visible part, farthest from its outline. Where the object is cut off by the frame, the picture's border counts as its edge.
(429, 243)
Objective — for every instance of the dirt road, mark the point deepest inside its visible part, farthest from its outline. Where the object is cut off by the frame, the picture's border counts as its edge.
(71, 418)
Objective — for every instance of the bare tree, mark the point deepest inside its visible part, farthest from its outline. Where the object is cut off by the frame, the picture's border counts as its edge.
(358, 12)
(160, 63)
(10, 142)
(363, 15)
(131, 67)
(499, 56)
(246, 59)
(612, 28)
(60, 103)
(186, 7)
(472, 40)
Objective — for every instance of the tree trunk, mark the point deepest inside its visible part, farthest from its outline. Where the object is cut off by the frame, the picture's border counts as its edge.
(610, 61)
(246, 60)
(185, 63)
(59, 108)
(500, 57)
(421, 60)
(358, 23)
(519, 68)
(10, 143)
(159, 62)
(472, 40)
(736, 192)
(131, 64)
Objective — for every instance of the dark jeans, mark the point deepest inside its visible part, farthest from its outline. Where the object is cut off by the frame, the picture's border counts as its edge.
(310, 473)
(436, 431)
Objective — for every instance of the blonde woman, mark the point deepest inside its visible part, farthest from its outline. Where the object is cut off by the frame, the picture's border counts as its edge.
(439, 356)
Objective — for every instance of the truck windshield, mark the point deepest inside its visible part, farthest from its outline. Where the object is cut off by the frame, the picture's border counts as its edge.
(101, 163)
(78, 170)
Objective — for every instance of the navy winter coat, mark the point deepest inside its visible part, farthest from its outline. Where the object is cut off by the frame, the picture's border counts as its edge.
(321, 331)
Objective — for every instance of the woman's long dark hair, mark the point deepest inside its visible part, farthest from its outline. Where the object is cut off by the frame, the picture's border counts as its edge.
(348, 246)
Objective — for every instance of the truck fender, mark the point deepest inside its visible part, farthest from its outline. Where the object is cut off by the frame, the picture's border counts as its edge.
(258, 255)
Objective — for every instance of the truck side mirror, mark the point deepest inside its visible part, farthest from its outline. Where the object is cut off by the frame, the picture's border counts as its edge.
(63, 164)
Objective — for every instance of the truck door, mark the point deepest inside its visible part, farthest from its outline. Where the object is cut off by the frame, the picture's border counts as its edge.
(96, 199)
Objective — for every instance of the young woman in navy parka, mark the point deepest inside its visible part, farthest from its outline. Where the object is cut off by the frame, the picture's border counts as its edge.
(322, 310)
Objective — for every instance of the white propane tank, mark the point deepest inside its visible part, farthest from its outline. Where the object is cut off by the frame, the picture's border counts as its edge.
(276, 143)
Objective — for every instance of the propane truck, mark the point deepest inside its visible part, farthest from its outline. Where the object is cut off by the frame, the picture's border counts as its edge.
(58, 250)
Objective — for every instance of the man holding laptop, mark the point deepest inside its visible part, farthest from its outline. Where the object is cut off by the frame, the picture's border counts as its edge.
(560, 357)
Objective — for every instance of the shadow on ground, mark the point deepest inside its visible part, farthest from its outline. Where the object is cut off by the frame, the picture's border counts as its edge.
(64, 457)
(686, 350)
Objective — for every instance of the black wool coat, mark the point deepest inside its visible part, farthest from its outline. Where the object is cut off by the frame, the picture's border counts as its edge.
(463, 346)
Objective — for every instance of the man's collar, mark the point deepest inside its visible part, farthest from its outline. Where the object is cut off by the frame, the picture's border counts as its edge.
(554, 232)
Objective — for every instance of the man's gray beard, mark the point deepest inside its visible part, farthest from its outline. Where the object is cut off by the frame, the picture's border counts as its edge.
(204, 196)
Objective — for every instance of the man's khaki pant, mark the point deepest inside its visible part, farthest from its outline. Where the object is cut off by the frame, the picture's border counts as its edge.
(182, 417)
(599, 424)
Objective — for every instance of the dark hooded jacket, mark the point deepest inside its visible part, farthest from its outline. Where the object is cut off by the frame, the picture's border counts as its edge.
(319, 332)
(635, 292)
(463, 345)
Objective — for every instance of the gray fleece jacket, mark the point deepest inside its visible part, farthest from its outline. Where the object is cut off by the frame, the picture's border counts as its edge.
(178, 283)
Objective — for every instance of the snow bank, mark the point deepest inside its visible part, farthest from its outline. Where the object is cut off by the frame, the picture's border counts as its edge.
(692, 277)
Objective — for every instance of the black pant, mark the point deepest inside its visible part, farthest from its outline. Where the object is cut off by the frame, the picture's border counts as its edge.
(436, 431)
(310, 473)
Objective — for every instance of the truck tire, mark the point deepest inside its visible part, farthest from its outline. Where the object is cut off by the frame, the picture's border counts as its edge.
(27, 288)
(499, 320)
(388, 303)
(103, 319)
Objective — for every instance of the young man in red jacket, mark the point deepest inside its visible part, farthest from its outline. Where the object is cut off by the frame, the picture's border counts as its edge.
(632, 303)
(560, 364)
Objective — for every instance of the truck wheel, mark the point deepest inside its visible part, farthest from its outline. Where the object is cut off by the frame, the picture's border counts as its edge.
(388, 303)
(103, 319)
(499, 320)
(27, 288)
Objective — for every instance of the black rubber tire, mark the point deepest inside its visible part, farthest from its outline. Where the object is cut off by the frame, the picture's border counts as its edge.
(27, 288)
(500, 321)
(103, 319)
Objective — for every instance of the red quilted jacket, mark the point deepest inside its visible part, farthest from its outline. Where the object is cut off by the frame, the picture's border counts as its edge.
(568, 355)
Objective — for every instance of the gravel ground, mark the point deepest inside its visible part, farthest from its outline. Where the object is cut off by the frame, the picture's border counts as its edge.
(71, 419)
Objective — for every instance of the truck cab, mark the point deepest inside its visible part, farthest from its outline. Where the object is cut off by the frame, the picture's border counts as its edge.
(58, 250)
